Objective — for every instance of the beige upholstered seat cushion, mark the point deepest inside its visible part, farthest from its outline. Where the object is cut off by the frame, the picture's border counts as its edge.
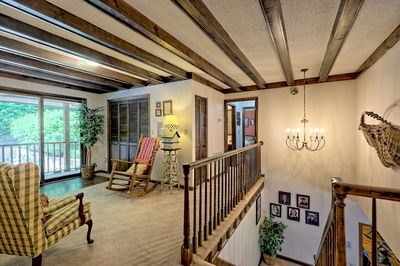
(140, 169)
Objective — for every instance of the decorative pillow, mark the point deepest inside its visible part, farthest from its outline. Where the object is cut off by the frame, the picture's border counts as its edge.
(140, 169)
(131, 169)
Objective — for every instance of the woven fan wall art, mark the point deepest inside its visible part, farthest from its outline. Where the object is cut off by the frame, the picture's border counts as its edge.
(384, 137)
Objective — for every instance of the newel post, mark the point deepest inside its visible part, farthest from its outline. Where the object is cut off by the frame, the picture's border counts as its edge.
(340, 246)
(186, 249)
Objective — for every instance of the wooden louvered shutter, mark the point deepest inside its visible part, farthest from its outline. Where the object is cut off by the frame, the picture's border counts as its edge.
(128, 119)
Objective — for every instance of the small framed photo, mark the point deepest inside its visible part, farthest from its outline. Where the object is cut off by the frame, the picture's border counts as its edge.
(158, 112)
(312, 218)
(303, 201)
(252, 122)
(258, 209)
(275, 210)
(158, 105)
(284, 197)
(167, 107)
(293, 214)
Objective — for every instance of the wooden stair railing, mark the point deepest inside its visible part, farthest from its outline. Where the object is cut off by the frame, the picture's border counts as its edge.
(225, 181)
(332, 250)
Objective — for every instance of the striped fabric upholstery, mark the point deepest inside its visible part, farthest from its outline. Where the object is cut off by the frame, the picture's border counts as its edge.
(22, 231)
(56, 204)
(146, 150)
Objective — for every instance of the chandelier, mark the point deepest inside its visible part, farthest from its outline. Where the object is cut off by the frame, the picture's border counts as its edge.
(313, 140)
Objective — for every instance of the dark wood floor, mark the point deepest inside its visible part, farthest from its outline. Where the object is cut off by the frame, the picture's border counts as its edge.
(60, 187)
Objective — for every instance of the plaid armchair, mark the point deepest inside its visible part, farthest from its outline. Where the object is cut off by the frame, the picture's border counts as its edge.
(28, 228)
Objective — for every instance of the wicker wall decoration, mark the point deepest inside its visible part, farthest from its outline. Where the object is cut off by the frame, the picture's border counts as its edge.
(384, 137)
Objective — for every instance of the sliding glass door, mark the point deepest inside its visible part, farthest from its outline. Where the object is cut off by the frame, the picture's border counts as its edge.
(61, 149)
(56, 150)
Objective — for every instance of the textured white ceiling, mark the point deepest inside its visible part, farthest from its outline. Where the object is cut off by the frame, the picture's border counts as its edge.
(175, 22)
(374, 23)
(308, 27)
(250, 34)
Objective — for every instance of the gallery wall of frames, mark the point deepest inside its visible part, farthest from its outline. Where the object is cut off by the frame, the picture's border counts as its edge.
(296, 209)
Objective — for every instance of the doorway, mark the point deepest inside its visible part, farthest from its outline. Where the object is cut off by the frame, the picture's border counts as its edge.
(240, 123)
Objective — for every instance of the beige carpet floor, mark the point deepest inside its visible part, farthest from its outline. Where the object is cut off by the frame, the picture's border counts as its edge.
(126, 230)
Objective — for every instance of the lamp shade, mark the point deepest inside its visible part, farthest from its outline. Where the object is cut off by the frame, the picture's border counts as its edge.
(170, 125)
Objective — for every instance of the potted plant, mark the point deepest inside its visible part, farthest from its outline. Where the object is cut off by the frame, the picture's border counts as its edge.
(271, 238)
(91, 127)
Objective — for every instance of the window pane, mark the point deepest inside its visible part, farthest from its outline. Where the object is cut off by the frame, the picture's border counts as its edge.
(19, 131)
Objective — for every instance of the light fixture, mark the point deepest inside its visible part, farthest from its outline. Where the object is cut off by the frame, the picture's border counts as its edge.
(170, 135)
(170, 124)
(313, 140)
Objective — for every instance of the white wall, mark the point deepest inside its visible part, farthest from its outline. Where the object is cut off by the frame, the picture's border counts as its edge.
(329, 105)
(242, 248)
(378, 90)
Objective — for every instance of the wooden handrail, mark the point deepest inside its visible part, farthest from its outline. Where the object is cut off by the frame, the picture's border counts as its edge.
(366, 191)
(205, 161)
(335, 254)
(224, 181)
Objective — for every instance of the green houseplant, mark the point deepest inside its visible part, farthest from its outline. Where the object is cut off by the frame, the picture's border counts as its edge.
(91, 127)
(271, 238)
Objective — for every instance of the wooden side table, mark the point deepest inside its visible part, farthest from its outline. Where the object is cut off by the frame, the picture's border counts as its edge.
(171, 171)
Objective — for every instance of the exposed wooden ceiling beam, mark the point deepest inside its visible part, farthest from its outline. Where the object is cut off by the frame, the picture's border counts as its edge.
(23, 30)
(345, 17)
(273, 15)
(61, 18)
(388, 43)
(204, 19)
(128, 15)
(206, 82)
(299, 82)
(21, 71)
(18, 60)
(41, 81)
(65, 61)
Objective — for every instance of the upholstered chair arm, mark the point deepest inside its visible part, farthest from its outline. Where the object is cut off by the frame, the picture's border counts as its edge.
(56, 204)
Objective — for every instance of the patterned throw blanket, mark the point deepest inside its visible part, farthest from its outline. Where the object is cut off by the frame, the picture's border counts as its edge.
(146, 150)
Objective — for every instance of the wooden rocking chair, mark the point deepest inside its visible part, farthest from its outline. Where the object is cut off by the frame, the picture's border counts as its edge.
(135, 175)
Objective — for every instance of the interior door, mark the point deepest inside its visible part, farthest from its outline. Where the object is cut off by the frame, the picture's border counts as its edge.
(128, 119)
(231, 128)
(201, 135)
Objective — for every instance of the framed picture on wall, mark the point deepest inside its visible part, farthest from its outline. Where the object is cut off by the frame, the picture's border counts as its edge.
(293, 214)
(275, 210)
(167, 107)
(158, 105)
(312, 218)
(303, 201)
(284, 197)
(158, 112)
